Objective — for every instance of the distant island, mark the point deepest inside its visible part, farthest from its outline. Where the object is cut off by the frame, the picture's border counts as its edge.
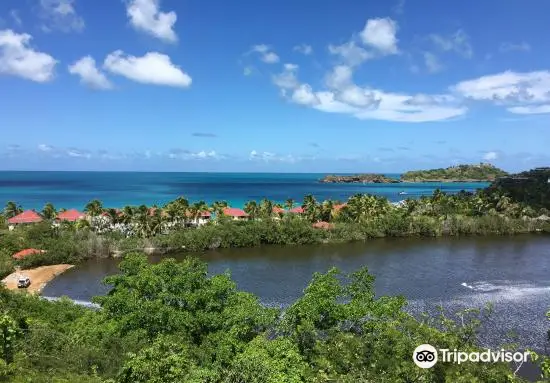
(360, 178)
(460, 173)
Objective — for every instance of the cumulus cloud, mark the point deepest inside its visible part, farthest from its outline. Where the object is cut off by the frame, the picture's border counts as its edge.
(45, 148)
(458, 42)
(18, 58)
(152, 68)
(89, 74)
(183, 154)
(381, 35)
(287, 78)
(78, 153)
(520, 92)
(146, 16)
(266, 54)
(350, 53)
(304, 49)
(60, 15)
(271, 157)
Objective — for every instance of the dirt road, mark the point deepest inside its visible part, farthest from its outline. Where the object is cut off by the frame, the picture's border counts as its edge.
(39, 276)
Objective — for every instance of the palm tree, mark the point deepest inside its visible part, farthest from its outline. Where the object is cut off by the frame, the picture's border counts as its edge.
(310, 208)
(327, 211)
(289, 204)
(48, 211)
(82, 224)
(251, 208)
(94, 208)
(266, 208)
(217, 207)
(11, 209)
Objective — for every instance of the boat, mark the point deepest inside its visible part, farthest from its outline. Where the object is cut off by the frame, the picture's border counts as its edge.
(402, 193)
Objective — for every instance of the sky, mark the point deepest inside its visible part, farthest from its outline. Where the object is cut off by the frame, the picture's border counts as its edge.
(286, 86)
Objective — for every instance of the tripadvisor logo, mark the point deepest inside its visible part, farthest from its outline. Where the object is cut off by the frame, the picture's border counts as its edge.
(426, 356)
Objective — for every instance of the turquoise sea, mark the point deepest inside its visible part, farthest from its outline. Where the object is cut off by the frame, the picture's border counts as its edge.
(116, 189)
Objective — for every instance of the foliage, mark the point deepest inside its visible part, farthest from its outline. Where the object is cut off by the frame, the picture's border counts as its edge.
(481, 172)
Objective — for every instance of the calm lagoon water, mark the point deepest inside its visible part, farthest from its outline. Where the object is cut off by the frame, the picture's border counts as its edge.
(117, 189)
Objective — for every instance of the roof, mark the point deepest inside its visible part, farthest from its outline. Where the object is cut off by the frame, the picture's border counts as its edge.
(70, 215)
(234, 212)
(24, 253)
(204, 213)
(298, 210)
(323, 225)
(28, 216)
(278, 210)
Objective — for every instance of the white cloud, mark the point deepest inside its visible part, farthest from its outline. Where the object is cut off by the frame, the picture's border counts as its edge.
(14, 14)
(145, 15)
(432, 62)
(522, 93)
(490, 156)
(304, 49)
(510, 47)
(381, 35)
(77, 153)
(18, 58)
(266, 54)
(152, 68)
(350, 53)
(287, 78)
(60, 15)
(45, 148)
(205, 155)
(247, 71)
(271, 157)
(89, 73)
(458, 42)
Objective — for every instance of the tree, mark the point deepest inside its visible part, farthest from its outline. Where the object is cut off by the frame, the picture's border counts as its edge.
(266, 208)
(289, 204)
(310, 207)
(49, 211)
(217, 207)
(94, 208)
(251, 208)
(11, 209)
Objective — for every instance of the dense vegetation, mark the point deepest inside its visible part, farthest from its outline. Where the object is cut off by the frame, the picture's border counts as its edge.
(464, 173)
(363, 217)
(531, 187)
(172, 322)
(360, 178)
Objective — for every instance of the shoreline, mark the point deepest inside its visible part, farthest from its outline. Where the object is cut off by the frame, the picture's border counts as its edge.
(39, 276)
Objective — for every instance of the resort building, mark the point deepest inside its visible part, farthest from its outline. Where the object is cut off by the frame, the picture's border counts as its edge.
(297, 210)
(71, 215)
(202, 219)
(236, 214)
(28, 216)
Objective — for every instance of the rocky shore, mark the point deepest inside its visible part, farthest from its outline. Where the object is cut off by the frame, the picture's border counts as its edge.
(360, 178)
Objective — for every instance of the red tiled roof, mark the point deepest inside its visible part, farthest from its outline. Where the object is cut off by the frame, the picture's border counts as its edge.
(24, 253)
(298, 210)
(28, 216)
(70, 215)
(323, 225)
(277, 210)
(234, 212)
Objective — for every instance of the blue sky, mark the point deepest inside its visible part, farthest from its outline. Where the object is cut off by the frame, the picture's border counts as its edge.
(189, 85)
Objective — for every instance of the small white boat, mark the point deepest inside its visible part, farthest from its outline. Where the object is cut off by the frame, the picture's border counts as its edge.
(403, 193)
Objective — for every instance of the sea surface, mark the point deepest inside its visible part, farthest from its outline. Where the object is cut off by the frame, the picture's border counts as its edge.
(116, 189)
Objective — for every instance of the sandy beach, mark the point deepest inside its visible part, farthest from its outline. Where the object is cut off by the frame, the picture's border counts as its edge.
(39, 276)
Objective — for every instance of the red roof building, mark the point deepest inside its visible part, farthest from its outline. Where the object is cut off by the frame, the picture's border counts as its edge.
(234, 212)
(278, 210)
(71, 215)
(28, 216)
(25, 253)
(204, 214)
(297, 210)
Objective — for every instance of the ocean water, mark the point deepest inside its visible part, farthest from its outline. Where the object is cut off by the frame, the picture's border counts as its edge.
(116, 189)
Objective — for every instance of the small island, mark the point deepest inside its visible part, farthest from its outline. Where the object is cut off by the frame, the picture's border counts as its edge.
(360, 178)
(482, 172)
